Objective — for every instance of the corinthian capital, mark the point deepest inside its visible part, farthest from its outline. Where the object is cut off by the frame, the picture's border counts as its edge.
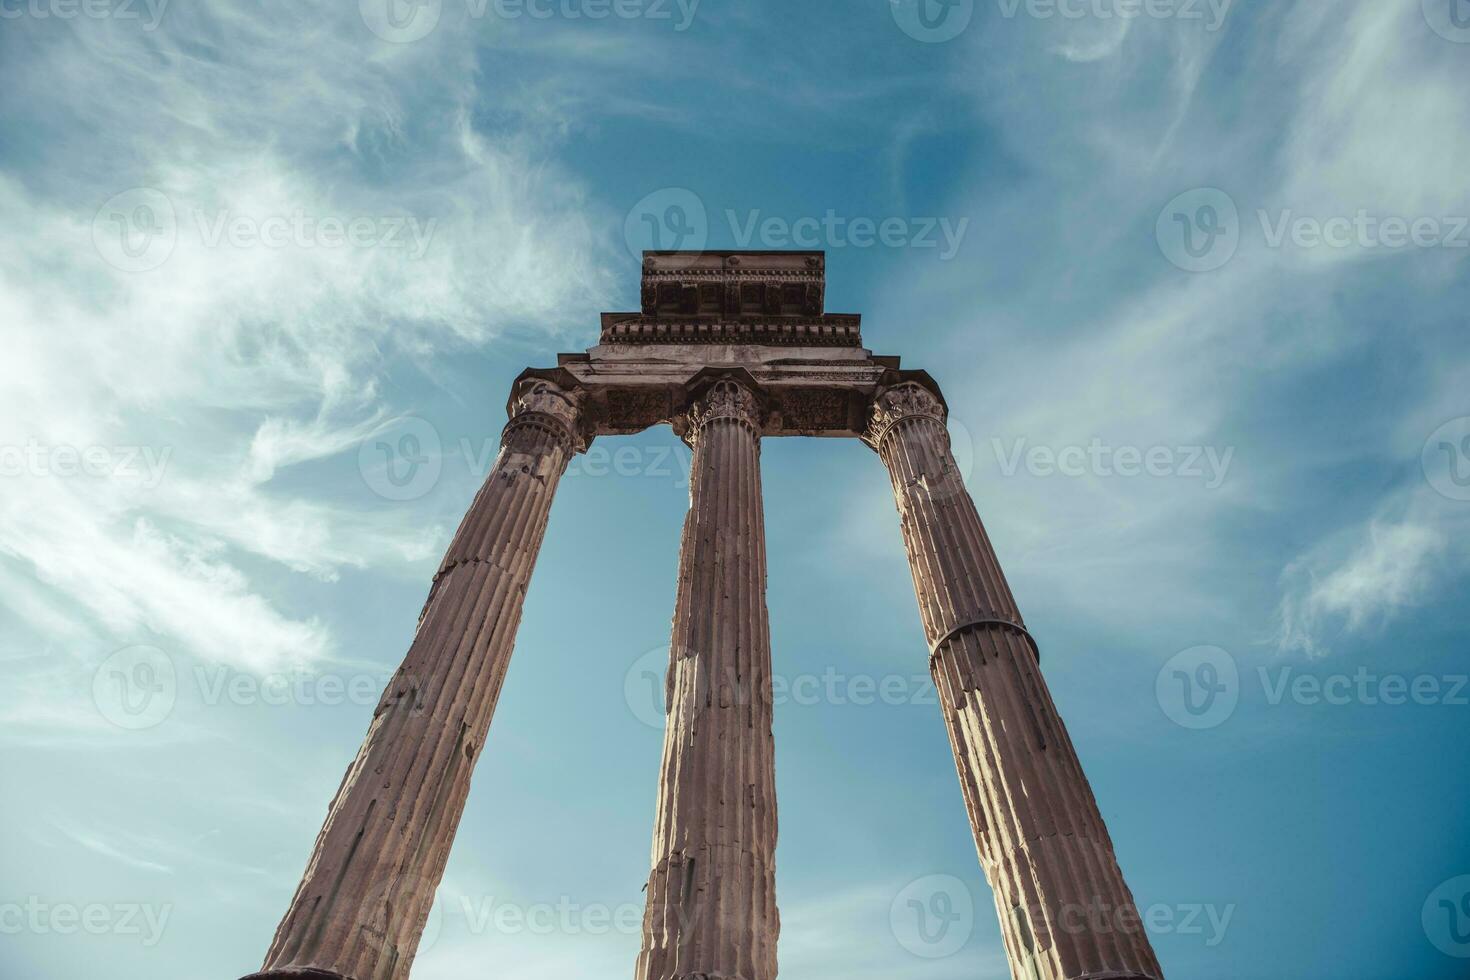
(903, 401)
(725, 399)
(542, 404)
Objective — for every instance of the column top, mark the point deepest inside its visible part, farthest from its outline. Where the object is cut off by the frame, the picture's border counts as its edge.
(756, 314)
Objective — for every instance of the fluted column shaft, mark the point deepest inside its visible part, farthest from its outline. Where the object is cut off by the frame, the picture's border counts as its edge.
(1065, 910)
(711, 909)
(370, 882)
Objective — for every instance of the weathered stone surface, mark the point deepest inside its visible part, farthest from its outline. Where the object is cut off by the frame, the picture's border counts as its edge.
(1041, 839)
(757, 312)
(728, 347)
(369, 885)
(711, 908)
(768, 286)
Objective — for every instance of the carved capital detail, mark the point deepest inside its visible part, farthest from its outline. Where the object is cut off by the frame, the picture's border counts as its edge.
(724, 399)
(542, 405)
(893, 405)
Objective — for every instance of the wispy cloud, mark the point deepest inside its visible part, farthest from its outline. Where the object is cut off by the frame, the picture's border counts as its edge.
(237, 357)
(1363, 577)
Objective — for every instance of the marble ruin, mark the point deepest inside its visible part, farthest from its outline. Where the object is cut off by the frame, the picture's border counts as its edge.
(728, 348)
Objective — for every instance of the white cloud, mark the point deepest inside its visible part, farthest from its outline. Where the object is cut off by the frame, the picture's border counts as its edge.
(1363, 577)
(233, 361)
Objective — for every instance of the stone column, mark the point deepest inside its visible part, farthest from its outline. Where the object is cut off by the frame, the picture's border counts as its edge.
(711, 896)
(1065, 910)
(367, 890)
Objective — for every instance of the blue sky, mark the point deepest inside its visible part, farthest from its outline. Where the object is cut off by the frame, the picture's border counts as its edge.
(245, 247)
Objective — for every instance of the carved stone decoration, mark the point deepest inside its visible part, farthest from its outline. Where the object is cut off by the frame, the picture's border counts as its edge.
(1041, 838)
(772, 304)
(542, 403)
(711, 909)
(633, 409)
(813, 303)
(729, 400)
(370, 882)
(814, 410)
(903, 401)
(827, 330)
